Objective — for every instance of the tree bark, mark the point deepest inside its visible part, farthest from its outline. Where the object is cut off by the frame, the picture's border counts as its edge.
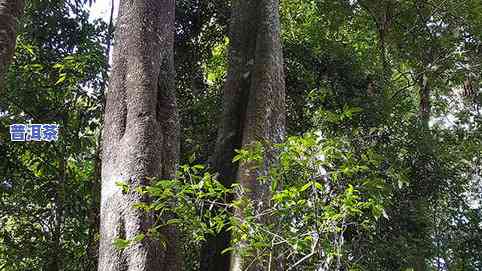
(95, 185)
(10, 11)
(264, 121)
(253, 109)
(423, 188)
(93, 215)
(235, 100)
(424, 94)
(56, 260)
(140, 136)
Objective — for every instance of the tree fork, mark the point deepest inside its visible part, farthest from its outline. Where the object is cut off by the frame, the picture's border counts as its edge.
(140, 136)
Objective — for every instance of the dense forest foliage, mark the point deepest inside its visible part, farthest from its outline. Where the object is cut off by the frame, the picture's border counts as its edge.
(287, 135)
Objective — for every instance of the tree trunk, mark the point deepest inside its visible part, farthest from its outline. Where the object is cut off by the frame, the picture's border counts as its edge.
(93, 215)
(140, 136)
(10, 11)
(56, 257)
(424, 95)
(424, 188)
(265, 116)
(235, 100)
(253, 108)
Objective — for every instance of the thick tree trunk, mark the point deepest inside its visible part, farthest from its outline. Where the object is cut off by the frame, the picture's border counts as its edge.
(140, 136)
(10, 11)
(235, 100)
(253, 108)
(265, 117)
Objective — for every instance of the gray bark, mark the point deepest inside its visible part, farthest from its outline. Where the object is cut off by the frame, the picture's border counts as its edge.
(95, 185)
(140, 136)
(253, 109)
(235, 100)
(10, 11)
(265, 117)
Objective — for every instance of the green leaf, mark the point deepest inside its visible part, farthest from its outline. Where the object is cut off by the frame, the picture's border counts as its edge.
(139, 237)
(123, 186)
(227, 250)
(306, 186)
(121, 243)
(198, 167)
(62, 78)
(174, 221)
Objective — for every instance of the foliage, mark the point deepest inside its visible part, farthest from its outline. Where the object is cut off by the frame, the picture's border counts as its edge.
(46, 187)
(194, 201)
(322, 190)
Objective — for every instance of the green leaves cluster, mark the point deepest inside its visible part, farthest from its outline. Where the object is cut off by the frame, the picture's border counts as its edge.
(321, 189)
(194, 201)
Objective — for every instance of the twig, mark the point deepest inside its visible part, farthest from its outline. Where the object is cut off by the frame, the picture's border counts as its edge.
(305, 257)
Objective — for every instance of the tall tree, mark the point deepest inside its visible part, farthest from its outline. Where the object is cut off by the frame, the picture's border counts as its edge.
(253, 108)
(10, 11)
(264, 119)
(140, 137)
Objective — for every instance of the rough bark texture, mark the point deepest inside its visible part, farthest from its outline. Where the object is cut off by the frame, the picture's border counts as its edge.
(140, 137)
(265, 114)
(253, 108)
(95, 184)
(10, 11)
(235, 100)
